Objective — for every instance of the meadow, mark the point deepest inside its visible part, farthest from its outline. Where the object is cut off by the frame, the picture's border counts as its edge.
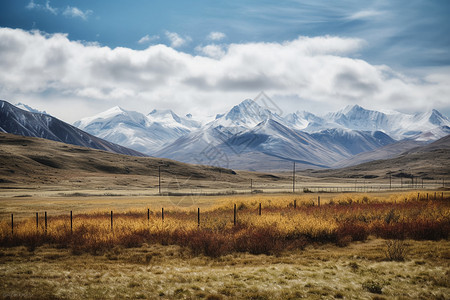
(253, 224)
(257, 246)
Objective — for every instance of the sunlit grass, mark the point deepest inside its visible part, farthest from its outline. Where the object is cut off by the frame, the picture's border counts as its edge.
(282, 225)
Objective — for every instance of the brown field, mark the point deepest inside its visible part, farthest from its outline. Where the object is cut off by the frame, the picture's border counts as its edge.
(337, 250)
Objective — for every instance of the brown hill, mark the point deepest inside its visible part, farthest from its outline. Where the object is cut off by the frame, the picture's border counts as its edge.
(431, 161)
(28, 161)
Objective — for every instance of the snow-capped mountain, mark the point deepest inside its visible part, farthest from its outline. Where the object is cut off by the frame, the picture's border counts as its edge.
(248, 129)
(144, 133)
(29, 108)
(21, 122)
(248, 136)
(397, 125)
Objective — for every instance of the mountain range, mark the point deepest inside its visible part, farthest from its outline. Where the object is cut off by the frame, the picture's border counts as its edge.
(248, 136)
(252, 137)
(28, 122)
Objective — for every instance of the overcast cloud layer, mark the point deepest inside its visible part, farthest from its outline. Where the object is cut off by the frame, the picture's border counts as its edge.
(71, 79)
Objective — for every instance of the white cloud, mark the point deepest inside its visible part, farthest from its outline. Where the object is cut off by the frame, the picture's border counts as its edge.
(43, 67)
(365, 14)
(69, 11)
(216, 36)
(146, 39)
(214, 51)
(45, 7)
(75, 12)
(176, 40)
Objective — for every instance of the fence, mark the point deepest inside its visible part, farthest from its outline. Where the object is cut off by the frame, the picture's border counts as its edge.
(423, 196)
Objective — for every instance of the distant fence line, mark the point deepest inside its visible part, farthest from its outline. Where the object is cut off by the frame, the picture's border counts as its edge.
(254, 188)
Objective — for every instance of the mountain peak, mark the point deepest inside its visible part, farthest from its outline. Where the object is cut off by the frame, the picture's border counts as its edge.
(29, 108)
(164, 114)
(248, 113)
(247, 102)
(116, 108)
(352, 109)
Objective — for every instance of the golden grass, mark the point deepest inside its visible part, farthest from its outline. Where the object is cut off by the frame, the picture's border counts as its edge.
(339, 219)
(172, 272)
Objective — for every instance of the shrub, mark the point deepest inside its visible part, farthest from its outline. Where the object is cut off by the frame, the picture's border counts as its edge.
(373, 286)
(395, 250)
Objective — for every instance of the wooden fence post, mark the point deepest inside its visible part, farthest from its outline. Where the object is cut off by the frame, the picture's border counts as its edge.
(318, 200)
(427, 196)
(198, 217)
(12, 224)
(295, 203)
(112, 224)
(45, 218)
(418, 196)
(37, 221)
(148, 215)
(71, 223)
(435, 196)
(259, 212)
(234, 219)
(162, 214)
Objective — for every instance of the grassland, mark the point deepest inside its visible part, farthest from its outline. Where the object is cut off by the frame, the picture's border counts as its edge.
(171, 272)
(337, 250)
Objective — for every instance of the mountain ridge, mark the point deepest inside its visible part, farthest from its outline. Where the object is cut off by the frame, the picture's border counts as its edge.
(251, 130)
(17, 121)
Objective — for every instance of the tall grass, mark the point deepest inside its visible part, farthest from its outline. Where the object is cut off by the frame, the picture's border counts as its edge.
(341, 220)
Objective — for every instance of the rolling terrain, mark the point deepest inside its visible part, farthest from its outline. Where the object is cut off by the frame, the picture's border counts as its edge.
(27, 162)
(430, 161)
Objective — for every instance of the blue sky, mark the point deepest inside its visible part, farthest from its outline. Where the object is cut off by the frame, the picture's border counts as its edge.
(409, 37)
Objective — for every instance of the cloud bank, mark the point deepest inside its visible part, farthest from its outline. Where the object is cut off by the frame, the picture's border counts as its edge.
(321, 72)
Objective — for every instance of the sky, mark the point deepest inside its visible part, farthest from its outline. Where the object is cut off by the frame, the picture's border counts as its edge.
(74, 59)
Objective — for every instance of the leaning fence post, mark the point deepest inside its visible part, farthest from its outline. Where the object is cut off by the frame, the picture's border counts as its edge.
(45, 218)
(12, 224)
(234, 219)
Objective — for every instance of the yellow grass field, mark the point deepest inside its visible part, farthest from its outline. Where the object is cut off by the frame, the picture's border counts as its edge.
(352, 246)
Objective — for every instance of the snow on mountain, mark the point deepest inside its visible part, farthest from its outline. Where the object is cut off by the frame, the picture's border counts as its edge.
(29, 108)
(137, 131)
(351, 142)
(234, 134)
(273, 138)
(395, 124)
(248, 131)
(21, 122)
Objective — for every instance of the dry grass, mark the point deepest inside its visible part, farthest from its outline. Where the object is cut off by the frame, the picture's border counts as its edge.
(331, 251)
(172, 272)
(340, 220)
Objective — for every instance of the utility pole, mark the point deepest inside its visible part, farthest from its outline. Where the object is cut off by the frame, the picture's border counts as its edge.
(159, 179)
(293, 179)
(390, 180)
